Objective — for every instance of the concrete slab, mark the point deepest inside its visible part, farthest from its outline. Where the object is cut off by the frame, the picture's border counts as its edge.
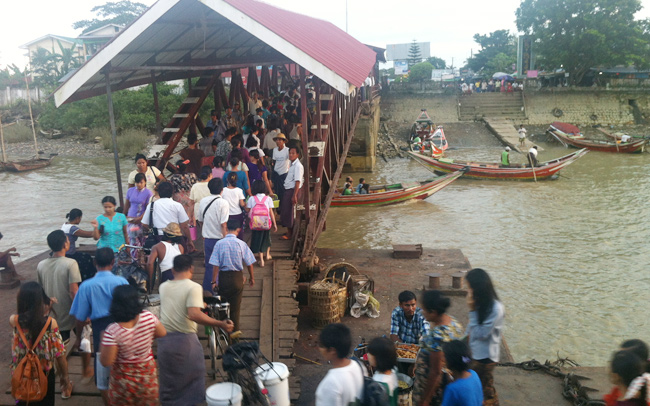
(506, 132)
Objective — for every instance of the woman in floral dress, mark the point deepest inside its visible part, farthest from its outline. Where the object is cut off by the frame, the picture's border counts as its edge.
(126, 348)
(430, 377)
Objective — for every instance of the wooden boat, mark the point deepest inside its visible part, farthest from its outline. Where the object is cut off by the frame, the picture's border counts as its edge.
(425, 129)
(493, 170)
(619, 136)
(567, 129)
(597, 145)
(26, 165)
(396, 193)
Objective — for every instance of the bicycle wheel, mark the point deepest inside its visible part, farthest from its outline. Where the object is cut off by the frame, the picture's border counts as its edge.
(223, 342)
(213, 348)
(251, 391)
(156, 275)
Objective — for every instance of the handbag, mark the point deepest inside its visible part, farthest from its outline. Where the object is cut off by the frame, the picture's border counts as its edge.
(152, 236)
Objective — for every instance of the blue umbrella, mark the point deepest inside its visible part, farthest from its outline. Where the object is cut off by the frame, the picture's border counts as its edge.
(503, 76)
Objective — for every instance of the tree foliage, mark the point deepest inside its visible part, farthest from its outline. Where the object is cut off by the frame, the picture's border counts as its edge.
(493, 44)
(120, 13)
(414, 54)
(585, 34)
(438, 63)
(420, 72)
(49, 67)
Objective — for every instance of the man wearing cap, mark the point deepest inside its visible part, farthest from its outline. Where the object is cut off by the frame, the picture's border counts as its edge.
(532, 156)
(292, 185)
(505, 157)
(281, 163)
(165, 251)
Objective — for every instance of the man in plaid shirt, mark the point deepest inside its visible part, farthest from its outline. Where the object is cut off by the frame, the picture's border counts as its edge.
(407, 324)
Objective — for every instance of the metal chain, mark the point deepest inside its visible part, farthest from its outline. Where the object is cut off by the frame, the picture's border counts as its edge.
(572, 388)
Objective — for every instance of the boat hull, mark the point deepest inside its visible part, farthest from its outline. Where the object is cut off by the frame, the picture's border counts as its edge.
(493, 171)
(26, 165)
(421, 192)
(602, 146)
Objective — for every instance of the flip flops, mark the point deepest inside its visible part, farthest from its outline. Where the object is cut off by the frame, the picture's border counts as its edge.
(285, 237)
(66, 392)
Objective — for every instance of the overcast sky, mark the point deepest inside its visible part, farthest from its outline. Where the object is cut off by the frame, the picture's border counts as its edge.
(448, 25)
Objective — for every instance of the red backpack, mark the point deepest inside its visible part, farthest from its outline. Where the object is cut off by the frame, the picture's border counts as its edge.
(29, 383)
(260, 215)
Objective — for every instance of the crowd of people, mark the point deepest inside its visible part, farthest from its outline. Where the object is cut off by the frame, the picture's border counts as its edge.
(490, 86)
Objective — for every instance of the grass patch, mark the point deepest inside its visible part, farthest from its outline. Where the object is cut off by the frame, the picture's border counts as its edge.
(18, 133)
(129, 142)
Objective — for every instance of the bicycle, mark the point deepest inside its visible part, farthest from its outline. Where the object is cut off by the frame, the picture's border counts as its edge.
(218, 339)
(123, 258)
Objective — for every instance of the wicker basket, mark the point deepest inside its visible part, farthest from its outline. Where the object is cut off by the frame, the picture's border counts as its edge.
(327, 301)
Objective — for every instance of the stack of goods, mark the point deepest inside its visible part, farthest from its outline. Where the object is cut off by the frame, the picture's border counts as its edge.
(327, 301)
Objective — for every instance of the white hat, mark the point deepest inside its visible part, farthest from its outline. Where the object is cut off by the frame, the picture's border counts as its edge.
(507, 148)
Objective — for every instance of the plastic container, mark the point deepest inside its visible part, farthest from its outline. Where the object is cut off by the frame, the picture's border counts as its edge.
(193, 233)
(275, 377)
(224, 394)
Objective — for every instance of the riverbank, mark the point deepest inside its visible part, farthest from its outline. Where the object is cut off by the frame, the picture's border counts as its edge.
(69, 146)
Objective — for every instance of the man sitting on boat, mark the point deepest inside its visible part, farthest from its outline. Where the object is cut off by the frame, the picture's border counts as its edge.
(625, 138)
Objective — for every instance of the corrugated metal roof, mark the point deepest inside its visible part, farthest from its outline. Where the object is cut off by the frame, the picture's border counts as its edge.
(320, 39)
(218, 34)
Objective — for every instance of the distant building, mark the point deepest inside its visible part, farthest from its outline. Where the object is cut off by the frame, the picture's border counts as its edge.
(85, 45)
(400, 52)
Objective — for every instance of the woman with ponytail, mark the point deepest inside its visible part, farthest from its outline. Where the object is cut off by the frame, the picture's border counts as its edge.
(72, 230)
(485, 330)
(235, 198)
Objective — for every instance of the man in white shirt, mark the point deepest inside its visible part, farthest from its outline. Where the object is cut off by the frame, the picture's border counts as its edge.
(292, 185)
(281, 163)
(343, 384)
(166, 211)
(253, 104)
(522, 135)
(532, 156)
(213, 216)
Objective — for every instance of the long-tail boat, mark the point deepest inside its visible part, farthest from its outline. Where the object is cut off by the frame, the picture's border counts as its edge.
(494, 170)
(396, 193)
(26, 164)
(619, 136)
(597, 145)
(567, 129)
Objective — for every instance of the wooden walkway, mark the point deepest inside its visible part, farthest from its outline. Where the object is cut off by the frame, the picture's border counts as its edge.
(506, 132)
(269, 315)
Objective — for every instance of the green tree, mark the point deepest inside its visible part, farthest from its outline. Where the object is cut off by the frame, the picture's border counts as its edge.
(420, 72)
(492, 44)
(499, 63)
(49, 67)
(438, 63)
(414, 54)
(581, 35)
(120, 13)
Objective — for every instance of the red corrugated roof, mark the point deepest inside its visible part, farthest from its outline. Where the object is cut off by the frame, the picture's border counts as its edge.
(321, 40)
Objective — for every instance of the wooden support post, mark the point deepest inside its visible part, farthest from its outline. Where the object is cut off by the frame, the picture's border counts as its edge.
(309, 214)
(222, 94)
(434, 280)
(233, 88)
(217, 97)
(189, 94)
(156, 107)
(274, 79)
(111, 119)
(457, 280)
(2, 141)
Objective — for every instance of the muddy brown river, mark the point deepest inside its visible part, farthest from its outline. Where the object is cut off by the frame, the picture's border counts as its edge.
(569, 257)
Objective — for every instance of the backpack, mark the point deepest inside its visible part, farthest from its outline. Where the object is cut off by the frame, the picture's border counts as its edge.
(28, 382)
(260, 215)
(374, 393)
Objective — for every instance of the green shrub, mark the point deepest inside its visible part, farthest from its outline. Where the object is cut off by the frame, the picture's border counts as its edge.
(19, 132)
(129, 142)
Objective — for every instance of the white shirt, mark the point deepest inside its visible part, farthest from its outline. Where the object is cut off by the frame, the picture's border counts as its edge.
(258, 149)
(296, 173)
(533, 151)
(269, 143)
(340, 386)
(253, 106)
(281, 159)
(261, 197)
(151, 174)
(233, 196)
(522, 133)
(390, 380)
(217, 214)
(625, 138)
(165, 211)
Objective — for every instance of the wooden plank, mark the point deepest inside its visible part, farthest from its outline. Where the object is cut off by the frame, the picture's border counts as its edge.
(266, 318)
(276, 316)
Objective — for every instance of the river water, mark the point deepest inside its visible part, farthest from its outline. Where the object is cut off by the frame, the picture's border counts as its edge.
(569, 257)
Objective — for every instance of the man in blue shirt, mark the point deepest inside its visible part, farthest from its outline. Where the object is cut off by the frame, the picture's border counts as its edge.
(93, 300)
(227, 260)
(407, 324)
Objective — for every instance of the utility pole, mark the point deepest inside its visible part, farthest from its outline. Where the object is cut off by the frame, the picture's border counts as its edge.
(346, 15)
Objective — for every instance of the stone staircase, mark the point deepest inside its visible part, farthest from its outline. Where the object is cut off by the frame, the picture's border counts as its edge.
(491, 105)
